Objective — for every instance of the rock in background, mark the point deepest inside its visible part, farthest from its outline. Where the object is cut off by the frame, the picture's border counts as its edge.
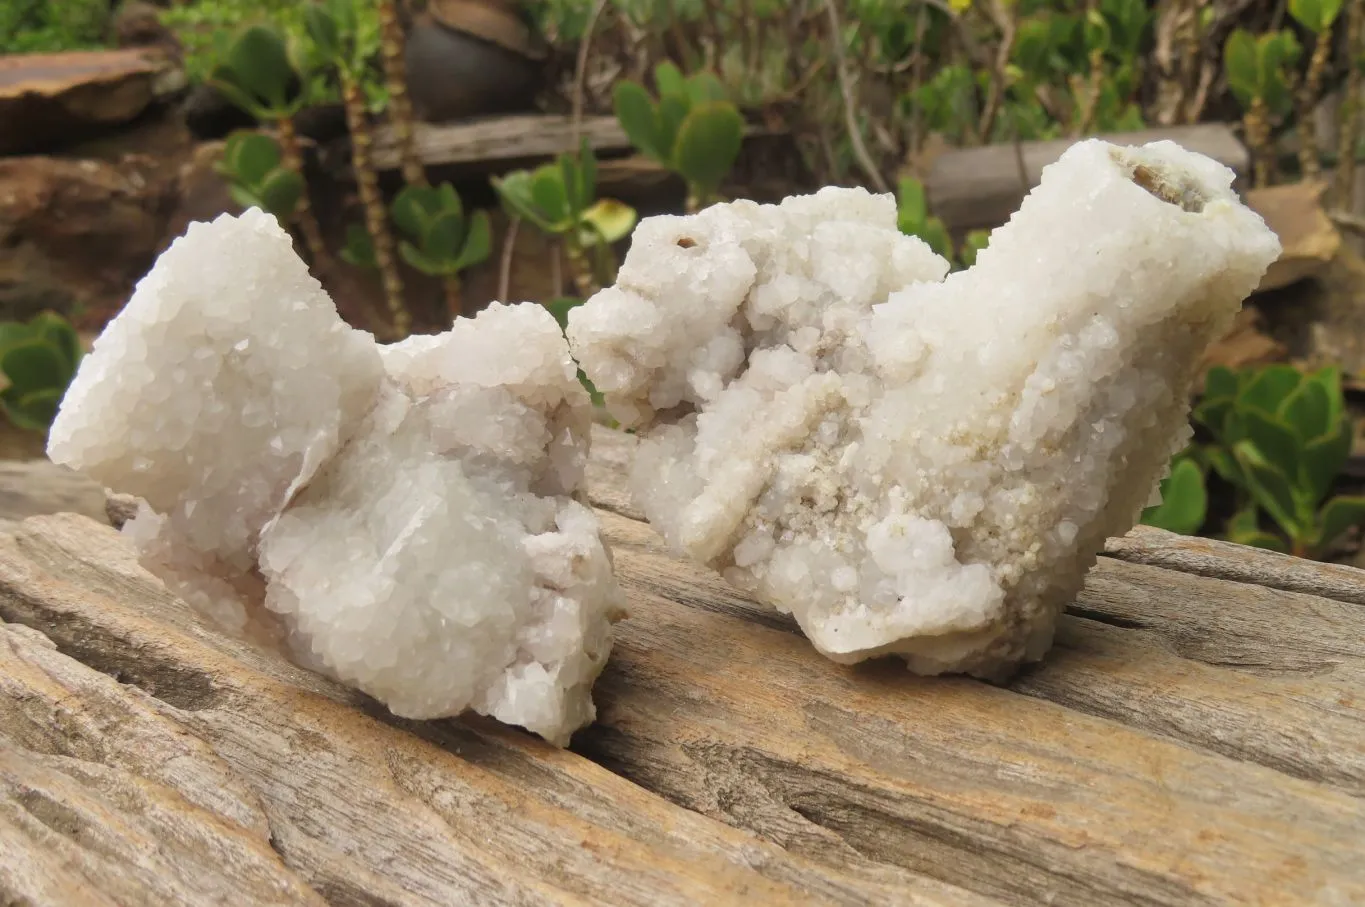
(75, 235)
(89, 157)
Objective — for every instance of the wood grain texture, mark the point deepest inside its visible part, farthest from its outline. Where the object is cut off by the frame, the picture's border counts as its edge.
(516, 139)
(979, 188)
(1189, 739)
(1224, 560)
(320, 791)
(104, 801)
(504, 138)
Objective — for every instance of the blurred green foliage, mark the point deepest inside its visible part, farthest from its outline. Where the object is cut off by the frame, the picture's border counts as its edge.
(257, 177)
(48, 26)
(914, 219)
(208, 29)
(38, 359)
(691, 127)
(1278, 440)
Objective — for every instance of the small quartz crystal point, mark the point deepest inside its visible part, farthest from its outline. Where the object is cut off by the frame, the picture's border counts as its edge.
(403, 518)
(911, 462)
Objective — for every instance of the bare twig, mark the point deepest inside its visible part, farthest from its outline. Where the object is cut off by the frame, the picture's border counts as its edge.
(557, 269)
(1256, 125)
(291, 155)
(1006, 17)
(1091, 94)
(1310, 162)
(509, 245)
(396, 80)
(581, 69)
(855, 136)
(1349, 139)
(917, 78)
(1019, 164)
(372, 200)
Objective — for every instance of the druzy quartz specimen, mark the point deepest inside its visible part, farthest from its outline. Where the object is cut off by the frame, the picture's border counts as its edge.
(403, 518)
(912, 462)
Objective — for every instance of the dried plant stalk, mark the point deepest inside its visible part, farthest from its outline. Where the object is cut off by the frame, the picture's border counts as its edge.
(1256, 124)
(1310, 161)
(1350, 109)
(291, 156)
(376, 214)
(392, 43)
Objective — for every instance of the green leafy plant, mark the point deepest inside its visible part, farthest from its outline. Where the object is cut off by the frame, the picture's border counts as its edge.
(691, 128)
(1184, 499)
(205, 30)
(340, 44)
(51, 26)
(1281, 437)
(914, 219)
(38, 360)
(1260, 74)
(254, 167)
(257, 74)
(561, 199)
(438, 238)
(560, 307)
(1317, 17)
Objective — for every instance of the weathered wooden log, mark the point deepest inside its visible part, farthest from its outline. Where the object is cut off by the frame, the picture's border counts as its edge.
(979, 188)
(292, 783)
(1190, 739)
(499, 141)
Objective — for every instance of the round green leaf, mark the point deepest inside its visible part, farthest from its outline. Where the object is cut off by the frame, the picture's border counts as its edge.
(445, 236)
(359, 248)
(58, 332)
(672, 113)
(704, 87)
(1269, 388)
(478, 242)
(1309, 411)
(549, 196)
(252, 156)
(323, 30)
(259, 63)
(12, 332)
(1339, 515)
(281, 192)
(412, 211)
(1241, 65)
(35, 365)
(1275, 441)
(669, 81)
(708, 144)
(639, 118)
(34, 411)
(1270, 489)
(426, 264)
(1184, 500)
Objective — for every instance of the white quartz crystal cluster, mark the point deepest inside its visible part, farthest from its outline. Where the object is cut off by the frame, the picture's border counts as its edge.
(404, 518)
(910, 464)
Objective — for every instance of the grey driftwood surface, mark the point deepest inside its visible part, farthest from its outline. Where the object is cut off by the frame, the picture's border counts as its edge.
(979, 188)
(1195, 737)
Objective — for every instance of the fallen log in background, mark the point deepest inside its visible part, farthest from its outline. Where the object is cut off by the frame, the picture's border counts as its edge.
(979, 188)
